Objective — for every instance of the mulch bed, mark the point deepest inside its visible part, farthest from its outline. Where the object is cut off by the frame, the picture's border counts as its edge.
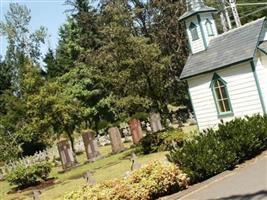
(41, 185)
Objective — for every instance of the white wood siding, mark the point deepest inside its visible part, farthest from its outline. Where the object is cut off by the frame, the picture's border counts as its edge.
(203, 18)
(197, 45)
(261, 70)
(242, 91)
(265, 37)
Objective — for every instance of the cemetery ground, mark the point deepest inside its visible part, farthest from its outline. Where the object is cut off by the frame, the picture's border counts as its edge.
(105, 168)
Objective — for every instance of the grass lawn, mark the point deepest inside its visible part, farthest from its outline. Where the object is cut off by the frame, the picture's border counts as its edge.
(108, 167)
(103, 169)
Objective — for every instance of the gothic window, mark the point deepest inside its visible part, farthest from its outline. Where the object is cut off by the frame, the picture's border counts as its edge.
(208, 25)
(221, 96)
(193, 31)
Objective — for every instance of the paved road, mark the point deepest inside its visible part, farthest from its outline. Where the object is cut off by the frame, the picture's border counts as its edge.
(248, 182)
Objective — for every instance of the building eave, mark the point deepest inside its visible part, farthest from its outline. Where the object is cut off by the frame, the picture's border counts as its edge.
(191, 13)
(219, 68)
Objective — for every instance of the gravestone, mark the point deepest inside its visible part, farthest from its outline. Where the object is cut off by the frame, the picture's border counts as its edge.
(136, 130)
(155, 122)
(90, 145)
(66, 154)
(135, 164)
(115, 138)
(36, 195)
(89, 178)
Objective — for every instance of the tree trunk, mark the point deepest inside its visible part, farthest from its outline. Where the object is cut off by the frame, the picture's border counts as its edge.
(69, 133)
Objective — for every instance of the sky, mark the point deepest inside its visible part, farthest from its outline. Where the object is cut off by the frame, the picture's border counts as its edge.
(48, 13)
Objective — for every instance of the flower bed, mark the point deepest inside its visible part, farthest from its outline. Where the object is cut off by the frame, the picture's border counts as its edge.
(150, 182)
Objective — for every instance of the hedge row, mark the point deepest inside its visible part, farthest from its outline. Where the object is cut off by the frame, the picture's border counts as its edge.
(215, 151)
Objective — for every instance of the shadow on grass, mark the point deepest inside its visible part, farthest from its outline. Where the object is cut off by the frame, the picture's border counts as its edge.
(260, 195)
(109, 164)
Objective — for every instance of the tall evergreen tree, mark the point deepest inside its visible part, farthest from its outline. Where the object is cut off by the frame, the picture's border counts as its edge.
(22, 44)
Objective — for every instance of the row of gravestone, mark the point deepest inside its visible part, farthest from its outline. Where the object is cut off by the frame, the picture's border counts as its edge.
(90, 142)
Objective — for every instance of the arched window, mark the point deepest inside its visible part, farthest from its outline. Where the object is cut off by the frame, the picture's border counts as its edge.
(209, 29)
(193, 31)
(221, 96)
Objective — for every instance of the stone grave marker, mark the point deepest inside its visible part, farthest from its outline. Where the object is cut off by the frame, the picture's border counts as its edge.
(155, 122)
(115, 138)
(135, 164)
(36, 195)
(89, 178)
(90, 145)
(66, 154)
(136, 130)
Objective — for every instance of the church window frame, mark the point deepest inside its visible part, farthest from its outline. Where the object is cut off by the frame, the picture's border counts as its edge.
(193, 31)
(221, 96)
(209, 29)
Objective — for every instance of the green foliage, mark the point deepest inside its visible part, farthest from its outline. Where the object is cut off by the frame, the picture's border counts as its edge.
(213, 152)
(171, 138)
(112, 62)
(141, 116)
(150, 182)
(161, 141)
(9, 149)
(150, 143)
(20, 77)
(24, 176)
(22, 44)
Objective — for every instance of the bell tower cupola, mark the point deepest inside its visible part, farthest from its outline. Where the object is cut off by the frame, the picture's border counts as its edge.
(200, 25)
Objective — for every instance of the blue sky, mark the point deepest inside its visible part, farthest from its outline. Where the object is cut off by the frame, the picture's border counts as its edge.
(48, 13)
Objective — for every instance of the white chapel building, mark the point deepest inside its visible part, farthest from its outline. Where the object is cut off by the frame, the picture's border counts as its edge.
(226, 73)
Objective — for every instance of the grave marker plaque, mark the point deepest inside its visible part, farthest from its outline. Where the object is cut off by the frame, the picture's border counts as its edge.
(90, 145)
(135, 164)
(115, 138)
(36, 195)
(155, 122)
(66, 154)
(136, 130)
(89, 178)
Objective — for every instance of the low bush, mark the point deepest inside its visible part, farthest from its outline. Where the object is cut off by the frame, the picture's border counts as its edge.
(215, 151)
(150, 182)
(160, 141)
(24, 176)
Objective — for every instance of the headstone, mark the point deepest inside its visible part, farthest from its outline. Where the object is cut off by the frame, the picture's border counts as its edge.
(89, 178)
(135, 164)
(148, 127)
(116, 142)
(66, 154)
(136, 130)
(36, 195)
(90, 145)
(155, 122)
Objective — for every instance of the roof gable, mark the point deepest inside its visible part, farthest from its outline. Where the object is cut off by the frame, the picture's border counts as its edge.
(226, 49)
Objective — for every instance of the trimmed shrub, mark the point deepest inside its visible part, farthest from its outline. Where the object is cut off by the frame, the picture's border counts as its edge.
(172, 137)
(215, 151)
(24, 176)
(160, 141)
(150, 182)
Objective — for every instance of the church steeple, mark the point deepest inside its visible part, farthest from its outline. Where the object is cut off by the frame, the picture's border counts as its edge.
(200, 25)
(194, 4)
